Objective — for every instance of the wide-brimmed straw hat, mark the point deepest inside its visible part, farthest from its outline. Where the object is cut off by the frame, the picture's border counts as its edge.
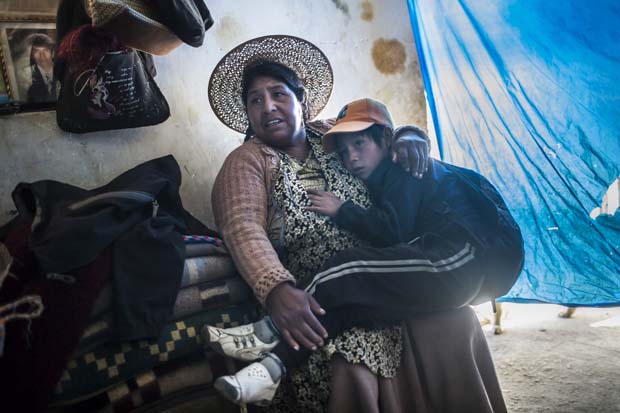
(299, 55)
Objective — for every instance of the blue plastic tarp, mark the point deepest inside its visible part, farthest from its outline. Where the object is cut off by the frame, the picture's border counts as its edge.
(527, 92)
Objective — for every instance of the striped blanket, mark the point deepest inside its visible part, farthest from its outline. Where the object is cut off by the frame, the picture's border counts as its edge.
(113, 363)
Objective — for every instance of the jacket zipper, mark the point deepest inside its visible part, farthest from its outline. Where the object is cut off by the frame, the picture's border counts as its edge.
(132, 195)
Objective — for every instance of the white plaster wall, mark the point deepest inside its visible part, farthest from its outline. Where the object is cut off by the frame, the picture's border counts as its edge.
(32, 147)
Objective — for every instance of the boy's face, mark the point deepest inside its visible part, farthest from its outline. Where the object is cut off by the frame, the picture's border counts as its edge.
(360, 153)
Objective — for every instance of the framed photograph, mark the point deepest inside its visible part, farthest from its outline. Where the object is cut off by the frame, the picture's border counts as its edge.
(4, 95)
(28, 8)
(27, 54)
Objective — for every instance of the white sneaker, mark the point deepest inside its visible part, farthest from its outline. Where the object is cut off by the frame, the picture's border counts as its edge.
(252, 384)
(237, 342)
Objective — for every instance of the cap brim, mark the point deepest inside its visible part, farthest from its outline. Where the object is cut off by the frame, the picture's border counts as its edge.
(329, 140)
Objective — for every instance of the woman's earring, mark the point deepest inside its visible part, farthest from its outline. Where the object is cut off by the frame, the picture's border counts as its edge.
(249, 134)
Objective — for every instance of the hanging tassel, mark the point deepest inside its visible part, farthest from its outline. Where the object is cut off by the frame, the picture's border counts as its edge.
(82, 48)
(27, 307)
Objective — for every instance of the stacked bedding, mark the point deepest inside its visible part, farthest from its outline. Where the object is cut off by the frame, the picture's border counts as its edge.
(104, 375)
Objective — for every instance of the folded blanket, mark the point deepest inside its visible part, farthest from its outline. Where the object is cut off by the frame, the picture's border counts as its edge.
(160, 383)
(201, 250)
(191, 300)
(113, 363)
(207, 268)
(202, 239)
(201, 245)
(195, 271)
(194, 299)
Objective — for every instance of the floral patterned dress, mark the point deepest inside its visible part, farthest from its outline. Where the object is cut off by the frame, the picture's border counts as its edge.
(304, 241)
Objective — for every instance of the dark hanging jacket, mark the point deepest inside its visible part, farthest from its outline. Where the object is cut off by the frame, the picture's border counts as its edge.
(139, 214)
(66, 242)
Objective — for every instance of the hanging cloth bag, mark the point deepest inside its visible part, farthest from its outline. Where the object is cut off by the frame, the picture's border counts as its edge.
(118, 93)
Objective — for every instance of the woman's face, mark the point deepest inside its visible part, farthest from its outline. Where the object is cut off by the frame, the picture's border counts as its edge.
(275, 113)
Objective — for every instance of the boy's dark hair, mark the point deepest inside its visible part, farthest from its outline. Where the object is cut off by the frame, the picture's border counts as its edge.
(276, 71)
(377, 133)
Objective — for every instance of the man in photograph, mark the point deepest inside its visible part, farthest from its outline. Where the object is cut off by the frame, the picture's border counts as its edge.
(44, 84)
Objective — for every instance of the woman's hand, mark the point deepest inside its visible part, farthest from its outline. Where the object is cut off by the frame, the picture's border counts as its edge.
(324, 202)
(412, 152)
(293, 311)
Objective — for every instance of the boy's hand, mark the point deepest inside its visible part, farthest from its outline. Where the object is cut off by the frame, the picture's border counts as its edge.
(324, 202)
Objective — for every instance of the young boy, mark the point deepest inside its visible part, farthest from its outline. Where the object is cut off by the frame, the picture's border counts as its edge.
(437, 243)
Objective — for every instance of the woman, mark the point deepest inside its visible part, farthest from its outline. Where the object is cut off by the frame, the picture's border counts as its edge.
(259, 203)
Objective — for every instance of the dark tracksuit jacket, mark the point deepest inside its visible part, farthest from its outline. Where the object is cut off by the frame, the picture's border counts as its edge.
(436, 243)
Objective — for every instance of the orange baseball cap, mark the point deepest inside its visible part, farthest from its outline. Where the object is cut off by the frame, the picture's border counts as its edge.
(355, 117)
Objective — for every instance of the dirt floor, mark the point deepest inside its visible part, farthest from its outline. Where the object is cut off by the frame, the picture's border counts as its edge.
(549, 364)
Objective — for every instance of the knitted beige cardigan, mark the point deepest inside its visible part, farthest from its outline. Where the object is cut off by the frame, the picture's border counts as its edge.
(241, 201)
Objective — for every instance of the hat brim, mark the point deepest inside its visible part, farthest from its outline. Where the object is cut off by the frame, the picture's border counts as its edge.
(135, 23)
(329, 140)
(301, 56)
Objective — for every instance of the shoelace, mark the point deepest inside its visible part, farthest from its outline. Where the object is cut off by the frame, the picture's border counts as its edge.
(244, 341)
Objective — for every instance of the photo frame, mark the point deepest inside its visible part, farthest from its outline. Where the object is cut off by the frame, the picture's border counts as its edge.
(4, 94)
(28, 9)
(27, 53)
